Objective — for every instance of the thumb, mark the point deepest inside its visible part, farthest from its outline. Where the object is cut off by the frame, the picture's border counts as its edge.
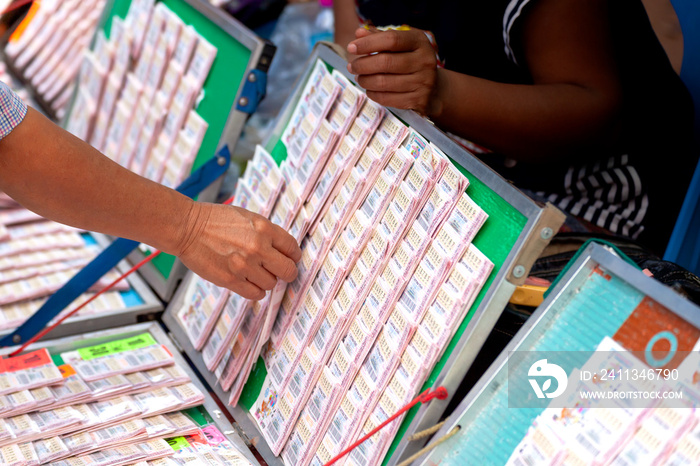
(364, 31)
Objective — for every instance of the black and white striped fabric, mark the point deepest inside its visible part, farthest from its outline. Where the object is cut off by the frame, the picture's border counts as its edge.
(608, 194)
(513, 11)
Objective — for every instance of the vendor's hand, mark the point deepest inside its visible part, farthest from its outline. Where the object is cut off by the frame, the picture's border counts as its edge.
(237, 249)
(397, 68)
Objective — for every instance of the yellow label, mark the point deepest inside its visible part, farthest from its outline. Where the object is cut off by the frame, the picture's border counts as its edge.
(446, 301)
(340, 359)
(409, 363)
(367, 317)
(402, 200)
(368, 258)
(365, 162)
(431, 324)
(357, 332)
(390, 125)
(398, 320)
(398, 389)
(343, 299)
(306, 362)
(377, 146)
(389, 276)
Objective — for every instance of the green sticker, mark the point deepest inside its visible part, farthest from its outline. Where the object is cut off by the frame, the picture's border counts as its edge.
(118, 346)
(178, 443)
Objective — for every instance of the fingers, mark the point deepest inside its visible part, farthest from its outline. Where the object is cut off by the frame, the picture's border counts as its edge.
(387, 41)
(248, 290)
(364, 32)
(394, 63)
(261, 277)
(280, 266)
(285, 243)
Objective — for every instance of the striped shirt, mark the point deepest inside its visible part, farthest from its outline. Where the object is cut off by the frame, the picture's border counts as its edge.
(12, 110)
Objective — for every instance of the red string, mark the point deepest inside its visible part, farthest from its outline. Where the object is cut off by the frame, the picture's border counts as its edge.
(439, 393)
(48, 328)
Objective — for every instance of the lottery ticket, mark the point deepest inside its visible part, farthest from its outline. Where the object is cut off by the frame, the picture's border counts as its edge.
(185, 47)
(201, 61)
(233, 313)
(203, 303)
(50, 449)
(149, 357)
(28, 371)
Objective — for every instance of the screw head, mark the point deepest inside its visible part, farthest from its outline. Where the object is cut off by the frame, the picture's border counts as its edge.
(546, 233)
(518, 271)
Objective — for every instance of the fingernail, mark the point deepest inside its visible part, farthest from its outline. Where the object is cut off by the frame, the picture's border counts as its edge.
(352, 48)
(350, 67)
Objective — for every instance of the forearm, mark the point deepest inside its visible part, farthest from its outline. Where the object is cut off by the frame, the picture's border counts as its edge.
(345, 21)
(38, 166)
(523, 121)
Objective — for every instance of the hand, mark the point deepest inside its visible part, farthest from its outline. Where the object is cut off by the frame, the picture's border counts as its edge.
(396, 68)
(237, 249)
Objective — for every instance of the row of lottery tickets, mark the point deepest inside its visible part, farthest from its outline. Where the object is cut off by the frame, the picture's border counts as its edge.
(387, 273)
(124, 402)
(38, 257)
(138, 90)
(48, 45)
(622, 430)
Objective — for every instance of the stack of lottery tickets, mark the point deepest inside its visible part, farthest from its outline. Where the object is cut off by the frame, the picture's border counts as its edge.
(47, 48)
(37, 257)
(111, 404)
(387, 274)
(138, 92)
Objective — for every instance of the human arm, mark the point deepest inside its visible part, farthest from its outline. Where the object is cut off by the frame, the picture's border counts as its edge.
(573, 101)
(55, 174)
(345, 21)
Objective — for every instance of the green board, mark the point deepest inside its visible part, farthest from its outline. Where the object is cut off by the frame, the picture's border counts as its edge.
(496, 240)
(219, 91)
(220, 88)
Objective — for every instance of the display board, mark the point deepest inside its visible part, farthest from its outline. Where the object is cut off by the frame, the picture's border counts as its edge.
(516, 231)
(219, 73)
(121, 432)
(611, 329)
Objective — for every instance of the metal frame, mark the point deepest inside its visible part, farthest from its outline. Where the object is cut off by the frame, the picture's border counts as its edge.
(594, 255)
(88, 339)
(486, 314)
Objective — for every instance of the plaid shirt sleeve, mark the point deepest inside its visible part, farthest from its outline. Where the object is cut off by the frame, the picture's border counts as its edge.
(12, 110)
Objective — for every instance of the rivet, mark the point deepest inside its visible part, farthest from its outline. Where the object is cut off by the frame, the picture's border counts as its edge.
(546, 233)
(518, 271)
